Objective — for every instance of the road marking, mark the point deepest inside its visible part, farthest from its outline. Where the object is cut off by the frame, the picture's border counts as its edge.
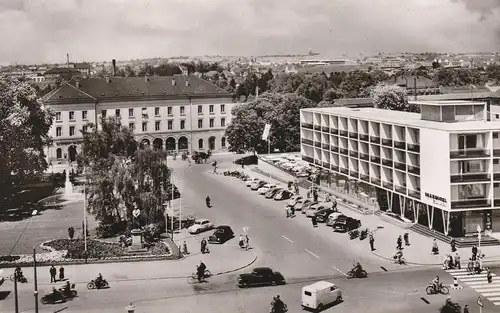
(339, 271)
(314, 255)
(286, 238)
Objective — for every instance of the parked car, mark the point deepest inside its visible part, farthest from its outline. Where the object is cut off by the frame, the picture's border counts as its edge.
(250, 181)
(307, 206)
(332, 218)
(323, 214)
(345, 224)
(293, 200)
(302, 174)
(262, 190)
(300, 203)
(256, 185)
(199, 226)
(316, 207)
(283, 194)
(221, 234)
(271, 193)
(261, 276)
(320, 295)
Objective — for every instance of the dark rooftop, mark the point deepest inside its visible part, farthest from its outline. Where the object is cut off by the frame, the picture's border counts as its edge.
(134, 89)
(61, 70)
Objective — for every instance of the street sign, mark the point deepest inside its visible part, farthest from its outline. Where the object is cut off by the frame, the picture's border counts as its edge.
(480, 302)
(265, 133)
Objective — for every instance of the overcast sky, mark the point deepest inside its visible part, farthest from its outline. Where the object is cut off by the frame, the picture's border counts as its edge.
(35, 31)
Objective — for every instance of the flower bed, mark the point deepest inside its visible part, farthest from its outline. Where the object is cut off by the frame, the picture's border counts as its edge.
(75, 249)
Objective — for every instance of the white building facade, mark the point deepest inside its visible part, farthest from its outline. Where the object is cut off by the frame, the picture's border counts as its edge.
(442, 163)
(177, 114)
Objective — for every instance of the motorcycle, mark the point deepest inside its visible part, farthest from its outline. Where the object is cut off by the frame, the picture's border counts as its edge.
(93, 285)
(430, 290)
(285, 309)
(363, 234)
(72, 293)
(353, 234)
(53, 298)
(357, 274)
(21, 279)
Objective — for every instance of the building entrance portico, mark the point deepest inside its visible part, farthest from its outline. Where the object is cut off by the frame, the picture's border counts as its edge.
(158, 144)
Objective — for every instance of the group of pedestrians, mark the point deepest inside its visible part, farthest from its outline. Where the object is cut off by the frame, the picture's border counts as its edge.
(53, 274)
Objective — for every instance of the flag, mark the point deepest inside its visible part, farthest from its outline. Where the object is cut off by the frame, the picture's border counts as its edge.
(265, 134)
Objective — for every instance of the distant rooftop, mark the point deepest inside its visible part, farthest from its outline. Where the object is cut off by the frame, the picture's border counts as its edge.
(446, 102)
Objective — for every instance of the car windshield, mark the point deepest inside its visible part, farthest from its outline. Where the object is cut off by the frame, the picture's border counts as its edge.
(219, 231)
(198, 222)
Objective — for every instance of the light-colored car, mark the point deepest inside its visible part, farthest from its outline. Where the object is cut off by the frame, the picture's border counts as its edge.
(317, 207)
(293, 200)
(200, 226)
(262, 190)
(320, 295)
(332, 218)
(250, 181)
(257, 184)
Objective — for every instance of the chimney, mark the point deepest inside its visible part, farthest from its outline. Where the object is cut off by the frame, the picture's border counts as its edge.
(114, 67)
(173, 82)
(146, 78)
(67, 59)
(107, 79)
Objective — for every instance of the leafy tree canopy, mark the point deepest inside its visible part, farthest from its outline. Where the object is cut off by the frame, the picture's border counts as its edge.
(392, 98)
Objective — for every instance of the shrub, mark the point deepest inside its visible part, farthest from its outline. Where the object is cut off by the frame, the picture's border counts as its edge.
(160, 248)
(9, 258)
(95, 249)
(110, 230)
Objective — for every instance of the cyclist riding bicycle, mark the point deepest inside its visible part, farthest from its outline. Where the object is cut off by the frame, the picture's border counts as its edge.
(200, 271)
(436, 284)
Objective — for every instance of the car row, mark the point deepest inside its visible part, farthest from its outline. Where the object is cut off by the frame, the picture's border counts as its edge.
(269, 190)
(293, 164)
(221, 234)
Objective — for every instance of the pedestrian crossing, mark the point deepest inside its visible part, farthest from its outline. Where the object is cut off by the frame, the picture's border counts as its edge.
(479, 282)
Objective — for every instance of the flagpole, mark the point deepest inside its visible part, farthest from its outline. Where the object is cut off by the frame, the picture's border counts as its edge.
(85, 219)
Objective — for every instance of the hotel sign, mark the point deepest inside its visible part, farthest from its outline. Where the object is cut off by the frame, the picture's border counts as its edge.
(436, 200)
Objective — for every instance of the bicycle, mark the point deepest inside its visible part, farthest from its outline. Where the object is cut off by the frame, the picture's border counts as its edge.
(194, 277)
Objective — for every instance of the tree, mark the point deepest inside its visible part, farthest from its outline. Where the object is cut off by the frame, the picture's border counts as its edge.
(245, 130)
(392, 98)
(450, 307)
(24, 127)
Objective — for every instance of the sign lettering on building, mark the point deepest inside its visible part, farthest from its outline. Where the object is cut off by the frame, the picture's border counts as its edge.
(436, 200)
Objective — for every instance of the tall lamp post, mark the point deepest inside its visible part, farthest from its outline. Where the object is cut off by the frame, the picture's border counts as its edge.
(35, 281)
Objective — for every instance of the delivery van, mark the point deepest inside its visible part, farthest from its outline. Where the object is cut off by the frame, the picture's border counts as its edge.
(320, 295)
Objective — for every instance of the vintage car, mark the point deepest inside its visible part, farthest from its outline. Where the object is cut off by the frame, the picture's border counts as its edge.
(221, 234)
(199, 226)
(261, 276)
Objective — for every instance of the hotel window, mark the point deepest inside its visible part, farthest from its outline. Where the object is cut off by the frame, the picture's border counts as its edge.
(85, 128)
(84, 115)
(477, 191)
(200, 123)
(170, 125)
(144, 127)
(223, 142)
(222, 122)
(71, 115)
(72, 130)
(144, 112)
(58, 116)
(59, 153)
(495, 135)
(58, 131)
(117, 113)
(182, 110)
(103, 113)
(130, 112)
(183, 124)
(222, 108)
(211, 109)
(169, 110)
(200, 109)
(157, 125)
(131, 126)
(212, 122)
(157, 111)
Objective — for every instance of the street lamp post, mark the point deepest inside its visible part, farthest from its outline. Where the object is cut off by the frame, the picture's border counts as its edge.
(35, 281)
(16, 301)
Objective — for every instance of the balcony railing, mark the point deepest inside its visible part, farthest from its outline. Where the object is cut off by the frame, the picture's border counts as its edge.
(375, 181)
(413, 147)
(354, 174)
(469, 153)
(387, 185)
(353, 154)
(334, 131)
(325, 129)
(307, 125)
(470, 203)
(364, 156)
(353, 135)
(470, 177)
(414, 193)
(365, 178)
(344, 171)
(400, 166)
(374, 139)
(399, 145)
(414, 170)
(387, 142)
(317, 127)
(317, 144)
(343, 133)
(400, 189)
(343, 151)
(327, 165)
(387, 162)
(496, 152)
(335, 168)
(325, 146)
(334, 148)
(375, 159)
(363, 137)
(307, 159)
(308, 142)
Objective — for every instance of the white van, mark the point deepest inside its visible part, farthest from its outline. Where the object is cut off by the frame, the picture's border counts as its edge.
(320, 295)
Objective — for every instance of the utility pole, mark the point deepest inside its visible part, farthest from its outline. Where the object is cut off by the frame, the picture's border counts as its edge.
(35, 281)
(16, 303)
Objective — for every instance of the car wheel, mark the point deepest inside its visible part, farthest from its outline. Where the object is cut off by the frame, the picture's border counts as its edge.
(339, 299)
(320, 307)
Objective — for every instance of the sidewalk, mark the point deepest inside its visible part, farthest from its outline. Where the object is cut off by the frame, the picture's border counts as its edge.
(222, 259)
(385, 233)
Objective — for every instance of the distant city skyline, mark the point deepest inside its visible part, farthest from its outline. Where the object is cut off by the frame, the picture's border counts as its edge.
(43, 31)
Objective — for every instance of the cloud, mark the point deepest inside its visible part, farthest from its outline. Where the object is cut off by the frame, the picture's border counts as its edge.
(97, 30)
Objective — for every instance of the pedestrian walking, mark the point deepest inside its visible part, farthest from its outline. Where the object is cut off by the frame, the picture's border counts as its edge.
(470, 266)
(453, 244)
(406, 237)
(185, 248)
(315, 195)
(287, 211)
(474, 252)
(61, 273)
(435, 249)
(292, 211)
(372, 242)
(399, 243)
(489, 277)
(53, 273)
(466, 309)
(457, 261)
(203, 246)
(314, 222)
(247, 242)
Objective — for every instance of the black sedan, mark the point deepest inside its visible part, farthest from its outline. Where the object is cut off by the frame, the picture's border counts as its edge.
(221, 234)
(345, 224)
(322, 215)
(261, 276)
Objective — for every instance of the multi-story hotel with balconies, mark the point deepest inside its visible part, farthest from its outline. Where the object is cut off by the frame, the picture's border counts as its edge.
(179, 113)
(442, 163)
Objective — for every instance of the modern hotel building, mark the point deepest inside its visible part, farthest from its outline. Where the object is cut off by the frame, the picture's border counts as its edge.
(442, 163)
